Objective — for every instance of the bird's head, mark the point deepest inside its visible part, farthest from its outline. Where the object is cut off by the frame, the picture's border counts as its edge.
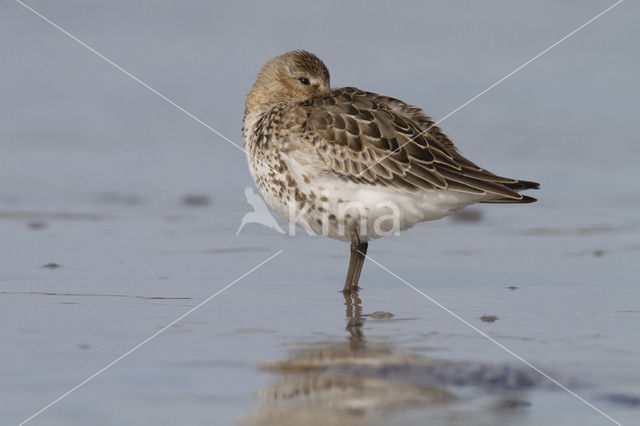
(292, 77)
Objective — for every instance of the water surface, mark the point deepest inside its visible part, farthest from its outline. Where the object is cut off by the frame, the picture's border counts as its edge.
(133, 207)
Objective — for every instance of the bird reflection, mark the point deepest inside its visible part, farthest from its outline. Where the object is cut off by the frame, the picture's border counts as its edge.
(318, 383)
(357, 381)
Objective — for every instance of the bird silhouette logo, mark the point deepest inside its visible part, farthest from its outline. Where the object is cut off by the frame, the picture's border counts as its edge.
(260, 213)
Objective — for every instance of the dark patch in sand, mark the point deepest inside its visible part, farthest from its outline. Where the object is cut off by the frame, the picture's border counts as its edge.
(602, 252)
(36, 225)
(52, 266)
(512, 288)
(511, 404)
(196, 200)
(632, 401)
(489, 318)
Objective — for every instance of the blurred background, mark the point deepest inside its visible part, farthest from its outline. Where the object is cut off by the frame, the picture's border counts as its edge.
(133, 206)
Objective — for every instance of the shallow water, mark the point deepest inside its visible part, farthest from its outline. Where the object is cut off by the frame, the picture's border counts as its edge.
(118, 215)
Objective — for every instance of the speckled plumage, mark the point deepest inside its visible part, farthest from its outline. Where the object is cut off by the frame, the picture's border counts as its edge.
(313, 150)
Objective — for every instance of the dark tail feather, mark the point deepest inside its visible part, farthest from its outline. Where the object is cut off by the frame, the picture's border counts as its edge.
(520, 185)
(524, 199)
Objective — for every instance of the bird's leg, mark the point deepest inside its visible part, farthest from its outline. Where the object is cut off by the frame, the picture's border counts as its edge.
(358, 252)
(350, 272)
(362, 252)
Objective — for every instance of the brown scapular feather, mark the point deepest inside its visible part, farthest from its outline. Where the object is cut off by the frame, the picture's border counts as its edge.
(395, 144)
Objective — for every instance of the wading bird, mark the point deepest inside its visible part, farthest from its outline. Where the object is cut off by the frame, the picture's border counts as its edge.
(345, 162)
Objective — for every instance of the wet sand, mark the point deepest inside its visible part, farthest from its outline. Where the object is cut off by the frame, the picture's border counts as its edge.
(118, 215)
(282, 344)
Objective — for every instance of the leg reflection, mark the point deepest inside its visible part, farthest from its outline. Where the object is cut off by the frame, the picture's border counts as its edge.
(354, 321)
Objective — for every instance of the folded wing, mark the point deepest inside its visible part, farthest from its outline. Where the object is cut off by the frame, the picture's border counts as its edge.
(374, 139)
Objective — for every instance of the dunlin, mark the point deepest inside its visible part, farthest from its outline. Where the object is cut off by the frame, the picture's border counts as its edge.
(355, 165)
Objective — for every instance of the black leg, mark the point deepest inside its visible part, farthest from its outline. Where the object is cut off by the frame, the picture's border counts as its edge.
(356, 261)
(353, 260)
(362, 252)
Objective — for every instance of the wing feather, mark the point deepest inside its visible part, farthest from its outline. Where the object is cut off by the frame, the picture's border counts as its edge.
(379, 140)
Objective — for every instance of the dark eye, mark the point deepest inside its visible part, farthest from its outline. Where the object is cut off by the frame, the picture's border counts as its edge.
(304, 81)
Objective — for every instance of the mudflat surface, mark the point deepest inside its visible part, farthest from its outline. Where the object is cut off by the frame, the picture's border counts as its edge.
(118, 214)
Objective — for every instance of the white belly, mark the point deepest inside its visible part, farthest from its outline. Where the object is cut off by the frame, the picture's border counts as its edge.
(330, 206)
